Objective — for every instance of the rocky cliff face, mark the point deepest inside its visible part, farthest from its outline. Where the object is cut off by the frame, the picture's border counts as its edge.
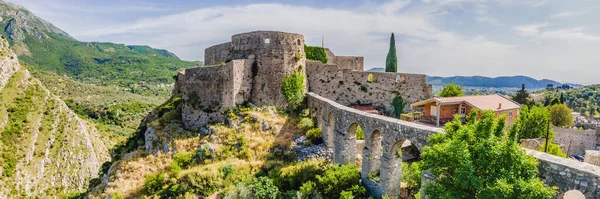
(19, 21)
(46, 150)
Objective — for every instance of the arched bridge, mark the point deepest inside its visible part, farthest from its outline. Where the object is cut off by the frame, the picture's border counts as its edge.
(384, 137)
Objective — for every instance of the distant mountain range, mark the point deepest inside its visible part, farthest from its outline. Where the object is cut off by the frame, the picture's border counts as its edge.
(496, 82)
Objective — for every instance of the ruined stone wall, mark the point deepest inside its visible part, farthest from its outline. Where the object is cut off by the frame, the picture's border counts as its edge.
(567, 174)
(217, 54)
(577, 140)
(353, 87)
(207, 90)
(345, 62)
(277, 55)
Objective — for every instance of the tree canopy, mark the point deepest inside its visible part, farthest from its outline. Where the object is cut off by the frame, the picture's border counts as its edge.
(532, 123)
(479, 160)
(391, 61)
(522, 96)
(451, 90)
(560, 115)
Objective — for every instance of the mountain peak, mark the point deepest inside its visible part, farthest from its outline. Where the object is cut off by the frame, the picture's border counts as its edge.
(18, 22)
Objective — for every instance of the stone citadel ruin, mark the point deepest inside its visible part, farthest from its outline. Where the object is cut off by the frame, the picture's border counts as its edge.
(252, 66)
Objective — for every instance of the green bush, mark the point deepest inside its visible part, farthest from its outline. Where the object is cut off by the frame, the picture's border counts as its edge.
(315, 135)
(411, 175)
(315, 53)
(553, 149)
(183, 159)
(337, 179)
(154, 183)
(346, 195)
(306, 123)
(204, 183)
(293, 176)
(360, 135)
(308, 188)
(292, 89)
(263, 188)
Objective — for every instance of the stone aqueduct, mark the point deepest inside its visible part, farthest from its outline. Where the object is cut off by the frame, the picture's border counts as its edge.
(384, 137)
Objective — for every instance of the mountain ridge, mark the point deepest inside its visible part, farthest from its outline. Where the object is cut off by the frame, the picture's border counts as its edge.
(484, 81)
(45, 47)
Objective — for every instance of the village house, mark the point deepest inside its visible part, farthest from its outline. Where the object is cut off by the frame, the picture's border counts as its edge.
(439, 110)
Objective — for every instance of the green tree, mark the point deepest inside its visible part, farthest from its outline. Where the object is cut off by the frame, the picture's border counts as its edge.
(562, 98)
(554, 101)
(391, 62)
(451, 90)
(522, 96)
(478, 160)
(532, 123)
(398, 103)
(560, 115)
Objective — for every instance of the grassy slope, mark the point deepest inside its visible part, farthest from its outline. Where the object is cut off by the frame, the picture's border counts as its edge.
(103, 63)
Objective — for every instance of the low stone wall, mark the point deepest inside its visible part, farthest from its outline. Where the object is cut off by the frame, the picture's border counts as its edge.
(345, 62)
(575, 141)
(567, 174)
(354, 87)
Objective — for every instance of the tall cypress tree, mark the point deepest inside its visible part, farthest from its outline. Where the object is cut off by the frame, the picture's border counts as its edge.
(391, 62)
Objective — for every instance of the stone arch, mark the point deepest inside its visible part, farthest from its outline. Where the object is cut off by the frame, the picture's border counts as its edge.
(345, 145)
(391, 169)
(372, 154)
(327, 130)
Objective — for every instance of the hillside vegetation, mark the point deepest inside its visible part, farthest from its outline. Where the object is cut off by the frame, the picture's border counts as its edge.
(585, 100)
(46, 150)
(47, 48)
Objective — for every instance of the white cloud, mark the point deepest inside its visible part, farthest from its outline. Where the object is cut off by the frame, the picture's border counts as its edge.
(568, 14)
(531, 29)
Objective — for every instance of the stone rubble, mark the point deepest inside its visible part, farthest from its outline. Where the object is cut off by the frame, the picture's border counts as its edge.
(319, 151)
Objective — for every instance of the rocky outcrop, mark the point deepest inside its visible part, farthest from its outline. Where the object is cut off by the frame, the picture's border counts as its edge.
(47, 150)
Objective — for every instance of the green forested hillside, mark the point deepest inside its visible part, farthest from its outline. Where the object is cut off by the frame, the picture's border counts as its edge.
(585, 100)
(45, 47)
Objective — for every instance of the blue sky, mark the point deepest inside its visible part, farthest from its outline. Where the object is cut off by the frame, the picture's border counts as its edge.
(551, 39)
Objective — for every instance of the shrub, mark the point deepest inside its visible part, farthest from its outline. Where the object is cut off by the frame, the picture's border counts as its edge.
(553, 149)
(315, 53)
(359, 133)
(411, 175)
(183, 159)
(263, 188)
(154, 183)
(314, 135)
(337, 179)
(292, 89)
(294, 176)
(203, 182)
(308, 188)
(306, 123)
(346, 195)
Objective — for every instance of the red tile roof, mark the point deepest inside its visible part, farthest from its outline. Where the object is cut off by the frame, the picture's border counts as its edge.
(366, 108)
(483, 102)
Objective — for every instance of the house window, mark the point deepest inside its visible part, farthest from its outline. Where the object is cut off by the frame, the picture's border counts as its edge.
(433, 111)
(267, 41)
(510, 114)
(463, 110)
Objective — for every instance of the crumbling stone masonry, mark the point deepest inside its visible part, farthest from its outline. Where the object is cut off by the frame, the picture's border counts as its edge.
(250, 68)
(378, 89)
